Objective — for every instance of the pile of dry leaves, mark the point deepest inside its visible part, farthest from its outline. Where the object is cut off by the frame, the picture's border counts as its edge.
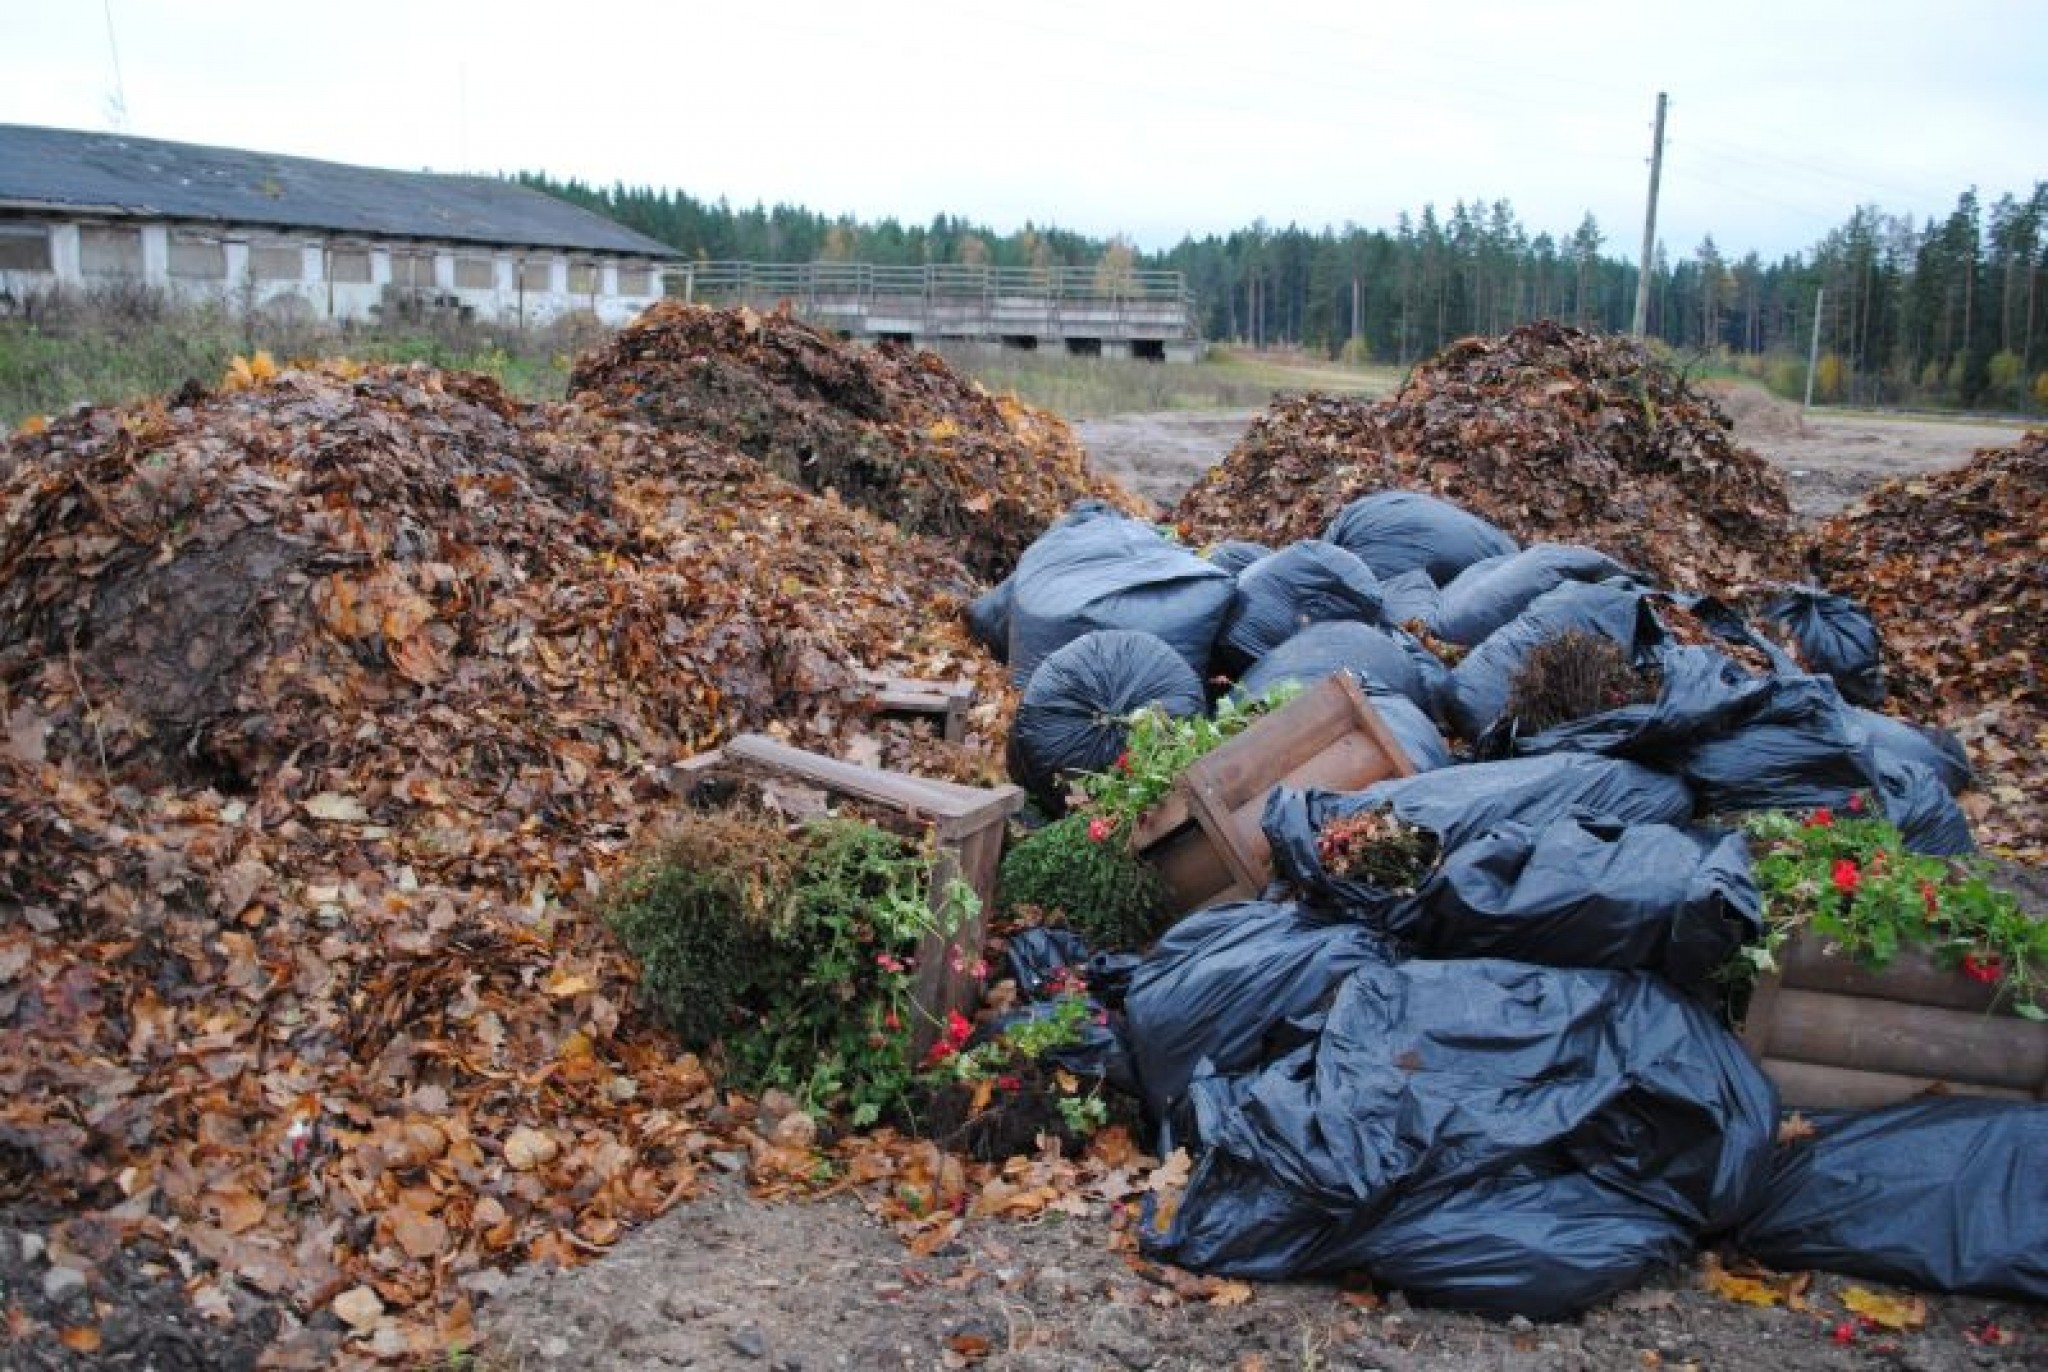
(895, 432)
(331, 701)
(1954, 567)
(1552, 434)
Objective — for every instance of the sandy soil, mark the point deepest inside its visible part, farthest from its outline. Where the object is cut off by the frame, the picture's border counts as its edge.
(726, 1282)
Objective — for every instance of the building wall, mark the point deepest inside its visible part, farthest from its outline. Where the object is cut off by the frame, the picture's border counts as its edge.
(332, 277)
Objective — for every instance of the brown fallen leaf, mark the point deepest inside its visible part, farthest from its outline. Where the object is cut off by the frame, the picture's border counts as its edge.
(81, 1338)
(527, 1148)
(1895, 1312)
(1795, 1128)
(359, 1308)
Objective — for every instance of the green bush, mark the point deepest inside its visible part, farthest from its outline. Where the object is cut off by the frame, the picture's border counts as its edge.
(1086, 873)
(794, 953)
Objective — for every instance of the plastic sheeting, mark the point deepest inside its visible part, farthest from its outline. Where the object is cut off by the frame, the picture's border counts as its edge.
(1305, 583)
(1222, 980)
(1489, 594)
(1074, 715)
(1399, 531)
(1390, 657)
(1427, 1080)
(1482, 683)
(1836, 638)
(1943, 1195)
(1458, 804)
(1112, 573)
(1580, 892)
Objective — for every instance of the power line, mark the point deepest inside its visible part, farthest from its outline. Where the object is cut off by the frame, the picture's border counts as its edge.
(117, 102)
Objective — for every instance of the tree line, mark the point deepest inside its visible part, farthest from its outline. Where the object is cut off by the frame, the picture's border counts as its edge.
(1945, 311)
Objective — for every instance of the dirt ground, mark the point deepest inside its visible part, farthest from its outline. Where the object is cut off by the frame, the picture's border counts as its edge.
(726, 1282)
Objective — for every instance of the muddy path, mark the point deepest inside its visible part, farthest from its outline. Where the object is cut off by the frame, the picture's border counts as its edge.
(1828, 457)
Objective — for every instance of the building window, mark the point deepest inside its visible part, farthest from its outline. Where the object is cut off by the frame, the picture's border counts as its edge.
(582, 278)
(537, 274)
(348, 266)
(277, 262)
(198, 257)
(107, 250)
(24, 248)
(636, 281)
(475, 274)
(412, 269)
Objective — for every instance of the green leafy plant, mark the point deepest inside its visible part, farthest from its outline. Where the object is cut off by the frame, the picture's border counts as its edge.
(1005, 1088)
(1159, 748)
(1850, 880)
(793, 952)
(1074, 869)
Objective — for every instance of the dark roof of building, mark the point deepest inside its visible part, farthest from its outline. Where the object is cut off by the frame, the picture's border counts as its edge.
(112, 173)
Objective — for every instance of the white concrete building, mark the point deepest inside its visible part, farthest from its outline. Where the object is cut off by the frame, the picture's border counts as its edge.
(85, 210)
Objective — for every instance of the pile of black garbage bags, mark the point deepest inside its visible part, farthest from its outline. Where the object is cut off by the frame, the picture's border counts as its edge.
(1509, 1088)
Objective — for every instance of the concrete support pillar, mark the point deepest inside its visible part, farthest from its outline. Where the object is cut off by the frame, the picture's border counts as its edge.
(156, 254)
(64, 255)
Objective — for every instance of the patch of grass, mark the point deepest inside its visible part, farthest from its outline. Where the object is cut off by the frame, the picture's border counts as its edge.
(1095, 387)
(107, 349)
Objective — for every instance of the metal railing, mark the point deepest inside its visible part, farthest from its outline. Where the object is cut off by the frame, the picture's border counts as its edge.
(949, 295)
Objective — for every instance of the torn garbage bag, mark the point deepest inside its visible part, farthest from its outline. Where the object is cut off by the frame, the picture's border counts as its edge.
(1390, 657)
(1114, 573)
(1398, 531)
(1835, 637)
(1483, 684)
(1075, 712)
(1222, 980)
(1583, 892)
(1427, 1079)
(1279, 595)
(1943, 1195)
(1489, 594)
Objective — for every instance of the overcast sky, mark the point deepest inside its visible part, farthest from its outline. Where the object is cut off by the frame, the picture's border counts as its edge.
(1149, 120)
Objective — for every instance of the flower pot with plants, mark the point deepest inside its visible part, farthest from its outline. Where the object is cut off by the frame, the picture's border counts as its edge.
(1886, 974)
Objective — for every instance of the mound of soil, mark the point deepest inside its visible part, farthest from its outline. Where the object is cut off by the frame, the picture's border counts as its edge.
(894, 432)
(1953, 568)
(1551, 433)
(329, 704)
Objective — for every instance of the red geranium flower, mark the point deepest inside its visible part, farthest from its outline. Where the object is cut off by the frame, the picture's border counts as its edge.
(1821, 818)
(1986, 970)
(1847, 878)
(1099, 829)
(1856, 803)
(1123, 761)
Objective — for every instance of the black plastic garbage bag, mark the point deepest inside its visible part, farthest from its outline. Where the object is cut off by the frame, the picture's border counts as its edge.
(1941, 1194)
(1934, 748)
(1482, 684)
(1836, 638)
(1392, 658)
(1074, 715)
(1489, 594)
(1224, 979)
(1928, 819)
(1233, 555)
(1113, 573)
(1582, 892)
(1398, 531)
(988, 618)
(1542, 1247)
(1702, 694)
(1042, 960)
(1430, 1078)
(1458, 804)
(1408, 598)
(1305, 583)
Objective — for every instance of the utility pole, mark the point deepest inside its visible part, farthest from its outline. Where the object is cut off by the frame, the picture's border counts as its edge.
(1642, 319)
(1820, 294)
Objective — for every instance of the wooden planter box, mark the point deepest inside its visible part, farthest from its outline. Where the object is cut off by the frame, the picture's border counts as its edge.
(966, 824)
(1833, 1033)
(1204, 839)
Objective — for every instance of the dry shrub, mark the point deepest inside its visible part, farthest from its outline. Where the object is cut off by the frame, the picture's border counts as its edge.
(1574, 675)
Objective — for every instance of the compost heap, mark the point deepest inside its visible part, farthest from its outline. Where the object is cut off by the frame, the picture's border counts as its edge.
(1552, 434)
(895, 432)
(330, 702)
(1954, 567)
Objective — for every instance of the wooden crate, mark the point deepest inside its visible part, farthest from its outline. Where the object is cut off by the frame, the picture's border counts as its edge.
(1833, 1033)
(945, 702)
(1204, 839)
(966, 823)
